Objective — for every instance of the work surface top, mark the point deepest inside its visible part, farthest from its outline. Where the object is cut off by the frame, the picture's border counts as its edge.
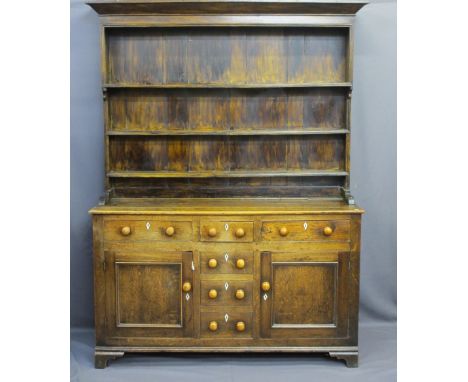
(225, 206)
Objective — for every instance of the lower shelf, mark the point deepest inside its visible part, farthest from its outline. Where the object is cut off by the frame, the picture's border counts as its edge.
(223, 174)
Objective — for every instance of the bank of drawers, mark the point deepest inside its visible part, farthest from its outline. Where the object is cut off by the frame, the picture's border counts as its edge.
(226, 292)
(227, 231)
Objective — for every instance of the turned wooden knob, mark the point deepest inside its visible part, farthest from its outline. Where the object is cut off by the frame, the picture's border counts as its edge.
(213, 326)
(266, 286)
(212, 232)
(240, 264)
(240, 232)
(240, 326)
(126, 231)
(212, 263)
(212, 293)
(327, 231)
(187, 287)
(170, 231)
(240, 294)
(283, 231)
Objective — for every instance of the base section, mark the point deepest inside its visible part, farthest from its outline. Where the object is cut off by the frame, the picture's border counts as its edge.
(351, 357)
(103, 353)
(101, 358)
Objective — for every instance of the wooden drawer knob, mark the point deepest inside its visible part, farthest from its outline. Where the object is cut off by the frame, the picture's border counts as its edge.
(240, 264)
(212, 294)
(212, 263)
(327, 231)
(240, 294)
(266, 286)
(212, 232)
(283, 231)
(240, 232)
(213, 326)
(126, 231)
(170, 231)
(240, 326)
(187, 287)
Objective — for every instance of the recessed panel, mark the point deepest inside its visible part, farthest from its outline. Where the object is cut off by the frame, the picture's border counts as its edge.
(304, 294)
(149, 294)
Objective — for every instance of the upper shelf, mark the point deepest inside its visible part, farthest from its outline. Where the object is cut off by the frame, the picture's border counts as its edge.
(229, 86)
(181, 7)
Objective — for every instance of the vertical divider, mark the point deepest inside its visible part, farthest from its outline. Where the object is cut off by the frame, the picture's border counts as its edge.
(265, 275)
(349, 75)
(106, 107)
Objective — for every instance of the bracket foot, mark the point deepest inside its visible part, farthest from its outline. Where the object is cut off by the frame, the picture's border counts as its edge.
(101, 358)
(351, 358)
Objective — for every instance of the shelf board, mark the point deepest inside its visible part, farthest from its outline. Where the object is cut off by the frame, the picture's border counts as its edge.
(228, 132)
(229, 86)
(222, 174)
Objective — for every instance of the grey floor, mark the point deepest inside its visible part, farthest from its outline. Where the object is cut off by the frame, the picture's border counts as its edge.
(377, 363)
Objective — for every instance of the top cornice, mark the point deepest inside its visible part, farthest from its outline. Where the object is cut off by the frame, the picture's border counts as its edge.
(235, 7)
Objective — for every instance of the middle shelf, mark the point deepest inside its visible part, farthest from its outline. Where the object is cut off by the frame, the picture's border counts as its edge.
(240, 132)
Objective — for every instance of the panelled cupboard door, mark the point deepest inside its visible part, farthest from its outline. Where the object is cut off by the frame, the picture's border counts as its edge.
(304, 295)
(149, 294)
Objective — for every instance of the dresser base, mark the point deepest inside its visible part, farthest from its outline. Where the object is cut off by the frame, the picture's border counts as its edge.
(103, 354)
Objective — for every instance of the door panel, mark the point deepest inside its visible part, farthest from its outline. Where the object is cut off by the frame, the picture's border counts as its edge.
(148, 294)
(307, 295)
(145, 296)
(294, 284)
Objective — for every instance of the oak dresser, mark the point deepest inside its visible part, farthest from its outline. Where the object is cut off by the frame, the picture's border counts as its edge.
(227, 224)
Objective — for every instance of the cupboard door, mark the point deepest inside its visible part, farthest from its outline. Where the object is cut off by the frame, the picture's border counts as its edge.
(149, 294)
(304, 295)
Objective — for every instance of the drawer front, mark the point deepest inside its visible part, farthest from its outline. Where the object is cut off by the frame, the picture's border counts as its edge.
(136, 230)
(238, 262)
(226, 324)
(309, 230)
(226, 292)
(226, 231)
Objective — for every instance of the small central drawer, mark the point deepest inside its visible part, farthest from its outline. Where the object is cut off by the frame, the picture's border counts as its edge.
(306, 230)
(227, 231)
(140, 230)
(227, 324)
(238, 262)
(226, 292)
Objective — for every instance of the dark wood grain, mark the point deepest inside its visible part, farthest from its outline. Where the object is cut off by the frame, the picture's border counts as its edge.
(204, 110)
(227, 141)
(254, 153)
(138, 7)
(226, 56)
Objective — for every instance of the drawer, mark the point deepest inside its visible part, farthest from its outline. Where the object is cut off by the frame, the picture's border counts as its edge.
(309, 230)
(135, 230)
(227, 324)
(238, 262)
(240, 231)
(226, 292)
